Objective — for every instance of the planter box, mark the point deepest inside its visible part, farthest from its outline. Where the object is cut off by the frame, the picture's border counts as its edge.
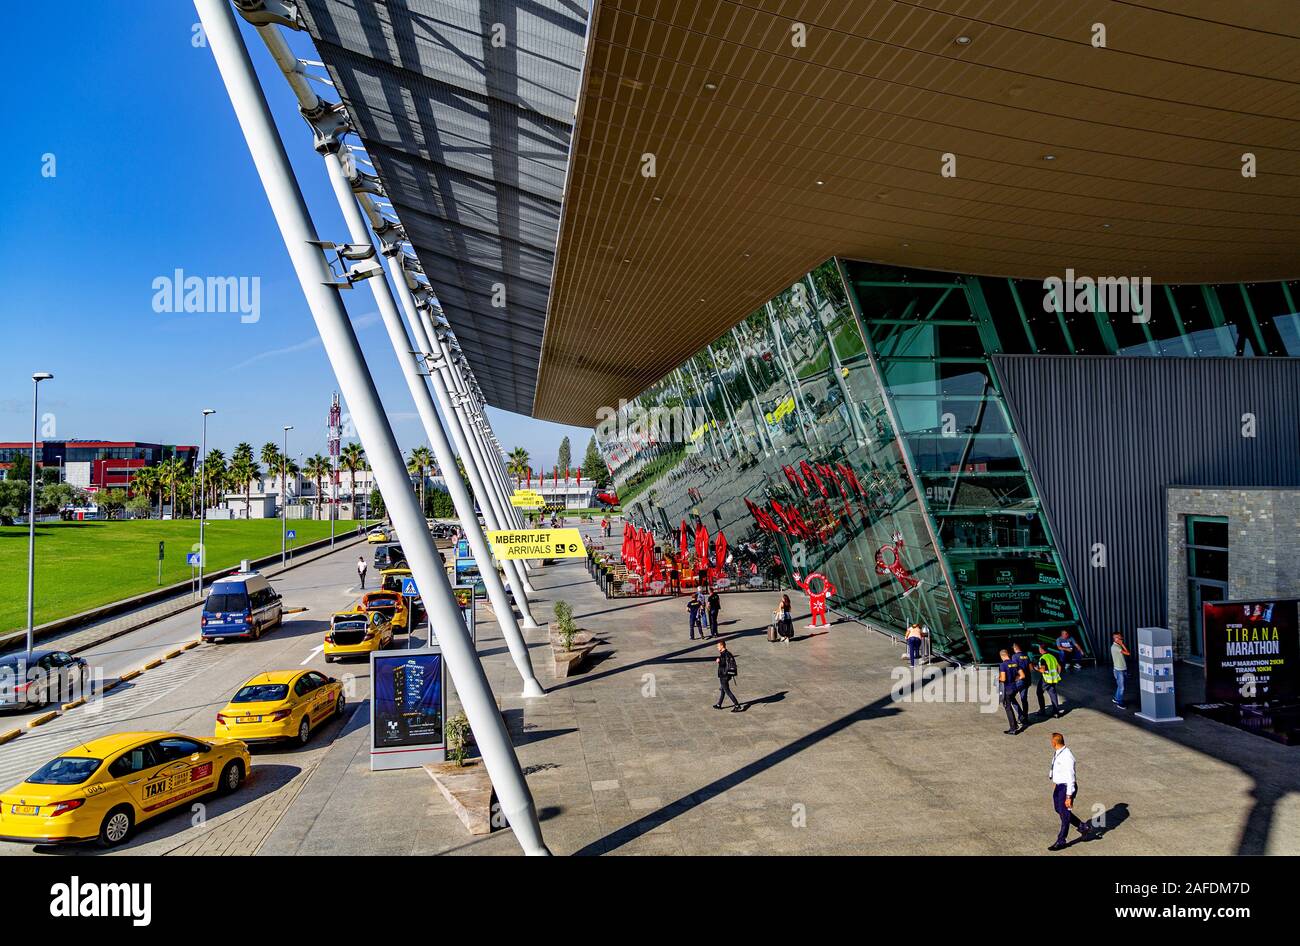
(569, 662)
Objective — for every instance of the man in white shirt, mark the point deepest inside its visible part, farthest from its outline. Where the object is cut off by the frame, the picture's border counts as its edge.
(1064, 788)
(361, 570)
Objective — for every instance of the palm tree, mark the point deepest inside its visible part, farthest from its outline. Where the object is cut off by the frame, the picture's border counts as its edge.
(421, 461)
(518, 463)
(244, 450)
(144, 482)
(270, 456)
(214, 475)
(352, 458)
(318, 468)
(285, 466)
(243, 471)
(173, 471)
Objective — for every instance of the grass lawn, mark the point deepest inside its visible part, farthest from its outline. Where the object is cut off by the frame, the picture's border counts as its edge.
(83, 564)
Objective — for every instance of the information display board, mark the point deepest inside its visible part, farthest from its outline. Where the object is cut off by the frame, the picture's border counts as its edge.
(1156, 675)
(1252, 651)
(464, 595)
(409, 708)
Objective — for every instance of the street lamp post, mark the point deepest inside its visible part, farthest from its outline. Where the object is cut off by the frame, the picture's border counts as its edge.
(203, 494)
(284, 491)
(31, 511)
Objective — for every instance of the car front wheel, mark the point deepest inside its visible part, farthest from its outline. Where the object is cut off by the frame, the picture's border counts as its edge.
(232, 776)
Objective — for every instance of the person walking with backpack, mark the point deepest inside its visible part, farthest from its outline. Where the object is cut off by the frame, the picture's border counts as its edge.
(726, 673)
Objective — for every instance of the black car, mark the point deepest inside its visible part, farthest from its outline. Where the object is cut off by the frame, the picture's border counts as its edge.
(41, 677)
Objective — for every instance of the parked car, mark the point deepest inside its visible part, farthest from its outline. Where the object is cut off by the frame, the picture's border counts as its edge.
(41, 677)
(389, 555)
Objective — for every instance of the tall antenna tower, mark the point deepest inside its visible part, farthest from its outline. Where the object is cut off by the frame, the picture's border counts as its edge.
(333, 437)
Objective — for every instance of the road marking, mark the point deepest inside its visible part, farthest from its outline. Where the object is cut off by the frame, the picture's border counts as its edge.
(315, 650)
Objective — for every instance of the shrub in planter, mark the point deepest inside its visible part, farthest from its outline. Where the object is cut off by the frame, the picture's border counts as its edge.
(458, 736)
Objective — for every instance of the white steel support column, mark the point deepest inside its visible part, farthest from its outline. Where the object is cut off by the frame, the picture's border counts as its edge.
(466, 406)
(437, 377)
(493, 500)
(358, 387)
(477, 420)
(424, 406)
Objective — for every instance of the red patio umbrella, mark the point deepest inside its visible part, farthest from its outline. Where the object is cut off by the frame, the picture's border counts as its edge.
(701, 547)
(720, 554)
(685, 544)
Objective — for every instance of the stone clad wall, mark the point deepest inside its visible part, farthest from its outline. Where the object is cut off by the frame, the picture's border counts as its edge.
(1263, 546)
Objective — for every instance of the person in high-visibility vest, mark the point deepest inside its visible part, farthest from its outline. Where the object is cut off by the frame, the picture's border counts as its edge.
(1049, 675)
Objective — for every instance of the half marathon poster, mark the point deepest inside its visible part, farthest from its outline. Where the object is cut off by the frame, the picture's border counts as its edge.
(1252, 651)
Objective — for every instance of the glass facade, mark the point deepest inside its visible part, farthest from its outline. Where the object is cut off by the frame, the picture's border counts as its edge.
(854, 425)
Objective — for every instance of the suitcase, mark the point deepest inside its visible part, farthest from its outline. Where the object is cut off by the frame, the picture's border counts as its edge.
(772, 636)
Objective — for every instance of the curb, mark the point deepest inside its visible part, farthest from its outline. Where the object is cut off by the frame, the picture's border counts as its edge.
(172, 593)
(131, 675)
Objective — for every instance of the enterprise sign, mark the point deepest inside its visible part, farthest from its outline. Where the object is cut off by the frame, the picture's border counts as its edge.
(537, 543)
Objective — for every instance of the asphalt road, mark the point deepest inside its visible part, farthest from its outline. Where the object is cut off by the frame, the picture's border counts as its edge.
(184, 693)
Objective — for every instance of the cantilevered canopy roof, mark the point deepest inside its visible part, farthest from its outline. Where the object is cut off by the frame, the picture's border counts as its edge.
(771, 157)
(466, 109)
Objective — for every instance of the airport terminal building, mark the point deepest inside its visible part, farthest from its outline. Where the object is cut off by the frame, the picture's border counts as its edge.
(987, 458)
(988, 312)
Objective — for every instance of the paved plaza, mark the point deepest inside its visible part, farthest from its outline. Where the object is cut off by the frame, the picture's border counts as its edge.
(630, 758)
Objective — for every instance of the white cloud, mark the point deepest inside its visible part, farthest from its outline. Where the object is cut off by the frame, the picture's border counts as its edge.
(360, 322)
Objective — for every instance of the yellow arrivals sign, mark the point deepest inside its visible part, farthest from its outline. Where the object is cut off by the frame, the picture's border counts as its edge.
(527, 499)
(537, 543)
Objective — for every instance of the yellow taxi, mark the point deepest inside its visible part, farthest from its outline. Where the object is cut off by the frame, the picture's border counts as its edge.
(390, 579)
(355, 633)
(390, 604)
(106, 787)
(281, 704)
(378, 535)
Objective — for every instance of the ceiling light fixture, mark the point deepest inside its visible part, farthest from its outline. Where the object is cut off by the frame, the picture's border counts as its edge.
(710, 87)
(1049, 157)
(963, 40)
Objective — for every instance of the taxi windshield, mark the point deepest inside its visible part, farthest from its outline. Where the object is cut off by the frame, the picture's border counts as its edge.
(65, 770)
(261, 693)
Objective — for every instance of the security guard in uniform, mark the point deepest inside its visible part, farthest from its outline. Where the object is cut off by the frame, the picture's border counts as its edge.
(1026, 665)
(1009, 677)
(1049, 675)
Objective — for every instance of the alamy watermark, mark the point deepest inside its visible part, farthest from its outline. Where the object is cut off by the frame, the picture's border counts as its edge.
(630, 423)
(1114, 294)
(209, 294)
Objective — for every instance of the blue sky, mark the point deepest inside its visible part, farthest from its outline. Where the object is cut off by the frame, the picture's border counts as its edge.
(151, 175)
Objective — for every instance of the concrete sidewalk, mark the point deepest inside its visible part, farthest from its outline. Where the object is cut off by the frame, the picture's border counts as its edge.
(629, 757)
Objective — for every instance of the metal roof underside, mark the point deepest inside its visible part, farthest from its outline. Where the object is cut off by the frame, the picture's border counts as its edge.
(471, 141)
